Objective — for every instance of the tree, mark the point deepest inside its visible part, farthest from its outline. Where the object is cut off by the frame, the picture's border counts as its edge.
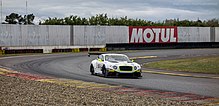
(212, 23)
(15, 18)
(53, 21)
(28, 19)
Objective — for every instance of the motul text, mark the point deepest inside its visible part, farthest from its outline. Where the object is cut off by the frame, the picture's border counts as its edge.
(153, 34)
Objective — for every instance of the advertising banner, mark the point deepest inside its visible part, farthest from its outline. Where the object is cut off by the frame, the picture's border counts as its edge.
(153, 34)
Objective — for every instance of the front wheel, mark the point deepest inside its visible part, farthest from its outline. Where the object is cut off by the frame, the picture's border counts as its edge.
(137, 75)
(91, 69)
(105, 72)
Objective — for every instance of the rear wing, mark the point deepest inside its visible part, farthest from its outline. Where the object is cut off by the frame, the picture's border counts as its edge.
(95, 53)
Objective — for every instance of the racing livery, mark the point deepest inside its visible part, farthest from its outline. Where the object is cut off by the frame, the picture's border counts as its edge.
(114, 64)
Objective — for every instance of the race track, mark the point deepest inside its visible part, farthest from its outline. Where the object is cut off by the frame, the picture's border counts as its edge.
(76, 66)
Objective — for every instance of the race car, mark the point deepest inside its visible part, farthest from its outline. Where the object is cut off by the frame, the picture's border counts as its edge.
(114, 65)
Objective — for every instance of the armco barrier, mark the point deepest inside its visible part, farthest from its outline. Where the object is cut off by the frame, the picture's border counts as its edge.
(2, 52)
(19, 51)
(150, 46)
(76, 50)
(61, 50)
(103, 50)
(83, 49)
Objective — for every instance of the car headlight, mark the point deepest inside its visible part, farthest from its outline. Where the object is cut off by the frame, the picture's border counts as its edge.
(135, 67)
(115, 67)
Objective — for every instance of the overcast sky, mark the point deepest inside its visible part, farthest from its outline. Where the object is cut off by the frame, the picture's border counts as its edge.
(153, 10)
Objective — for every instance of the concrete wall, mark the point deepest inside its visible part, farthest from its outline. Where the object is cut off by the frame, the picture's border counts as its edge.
(99, 35)
(89, 35)
(10, 35)
(117, 34)
(34, 35)
(216, 34)
(59, 35)
(194, 34)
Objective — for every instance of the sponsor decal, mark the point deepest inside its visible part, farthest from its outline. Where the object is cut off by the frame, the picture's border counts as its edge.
(149, 34)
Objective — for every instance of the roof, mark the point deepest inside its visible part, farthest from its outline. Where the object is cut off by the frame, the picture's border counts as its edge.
(102, 53)
(114, 54)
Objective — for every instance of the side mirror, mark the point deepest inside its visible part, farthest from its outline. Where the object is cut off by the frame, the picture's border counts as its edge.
(99, 60)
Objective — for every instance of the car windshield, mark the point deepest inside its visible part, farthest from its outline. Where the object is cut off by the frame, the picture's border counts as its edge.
(116, 58)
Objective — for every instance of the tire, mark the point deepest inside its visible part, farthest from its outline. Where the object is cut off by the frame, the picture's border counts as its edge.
(91, 69)
(136, 75)
(139, 76)
(105, 72)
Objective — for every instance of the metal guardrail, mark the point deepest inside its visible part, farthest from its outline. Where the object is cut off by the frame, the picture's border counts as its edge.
(50, 49)
(2, 52)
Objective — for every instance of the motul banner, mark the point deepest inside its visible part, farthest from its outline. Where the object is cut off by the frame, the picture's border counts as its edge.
(151, 34)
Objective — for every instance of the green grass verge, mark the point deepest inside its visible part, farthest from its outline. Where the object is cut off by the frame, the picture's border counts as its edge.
(198, 64)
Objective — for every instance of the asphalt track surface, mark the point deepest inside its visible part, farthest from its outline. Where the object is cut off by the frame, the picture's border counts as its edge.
(76, 66)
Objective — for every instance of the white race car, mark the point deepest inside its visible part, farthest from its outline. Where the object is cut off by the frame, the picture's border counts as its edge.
(114, 64)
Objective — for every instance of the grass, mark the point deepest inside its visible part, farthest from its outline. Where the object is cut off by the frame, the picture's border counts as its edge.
(208, 65)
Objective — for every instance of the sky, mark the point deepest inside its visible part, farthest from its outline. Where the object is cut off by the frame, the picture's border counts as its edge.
(151, 10)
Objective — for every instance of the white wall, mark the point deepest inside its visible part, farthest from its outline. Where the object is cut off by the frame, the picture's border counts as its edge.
(216, 34)
(194, 34)
(117, 34)
(89, 35)
(34, 35)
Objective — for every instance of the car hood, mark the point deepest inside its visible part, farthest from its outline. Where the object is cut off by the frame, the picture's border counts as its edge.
(122, 63)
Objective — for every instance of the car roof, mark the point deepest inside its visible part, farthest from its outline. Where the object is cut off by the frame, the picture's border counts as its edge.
(114, 54)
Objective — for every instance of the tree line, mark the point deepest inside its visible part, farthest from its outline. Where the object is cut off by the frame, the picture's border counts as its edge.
(103, 19)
